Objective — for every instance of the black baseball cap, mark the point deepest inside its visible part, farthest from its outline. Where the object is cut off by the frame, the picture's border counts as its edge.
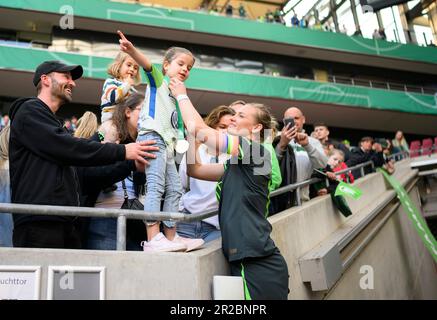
(56, 66)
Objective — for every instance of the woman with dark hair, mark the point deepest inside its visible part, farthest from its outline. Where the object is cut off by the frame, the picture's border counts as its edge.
(244, 184)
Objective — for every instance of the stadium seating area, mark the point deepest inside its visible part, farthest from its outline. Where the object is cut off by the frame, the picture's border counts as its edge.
(426, 147)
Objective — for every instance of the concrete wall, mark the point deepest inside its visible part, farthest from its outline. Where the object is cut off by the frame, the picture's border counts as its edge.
(402, 266)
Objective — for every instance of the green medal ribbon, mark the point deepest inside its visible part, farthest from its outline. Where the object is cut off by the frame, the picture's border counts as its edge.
(414, 215)
(181, 131)
(182, 144)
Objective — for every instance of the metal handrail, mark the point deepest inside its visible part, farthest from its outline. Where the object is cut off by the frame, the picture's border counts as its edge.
(403, 154)
(295, 186)
(123, 214)
(358, 166)
(71, 211)
(120, 214)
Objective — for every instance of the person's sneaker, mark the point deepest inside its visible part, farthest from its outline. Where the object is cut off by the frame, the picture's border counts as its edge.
(190, 244)
(160, 243)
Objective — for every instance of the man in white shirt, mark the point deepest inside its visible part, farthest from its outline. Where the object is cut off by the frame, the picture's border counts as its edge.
(308, 151)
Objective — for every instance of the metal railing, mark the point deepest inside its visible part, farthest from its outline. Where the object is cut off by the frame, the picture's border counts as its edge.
(298, 186)
(399, 155)
(120, 214)
(123, 214)
(420, 152)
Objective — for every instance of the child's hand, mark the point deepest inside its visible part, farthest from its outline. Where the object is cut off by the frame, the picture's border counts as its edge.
(322, 192)
(125, 45)
(177, 87)
(302, 139)
(129, 80)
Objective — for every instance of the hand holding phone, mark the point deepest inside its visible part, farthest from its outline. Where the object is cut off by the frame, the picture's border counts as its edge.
(289, 121)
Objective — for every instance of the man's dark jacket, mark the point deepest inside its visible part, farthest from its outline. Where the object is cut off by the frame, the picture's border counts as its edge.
(287, 165)
(42, 153)
(92, 180)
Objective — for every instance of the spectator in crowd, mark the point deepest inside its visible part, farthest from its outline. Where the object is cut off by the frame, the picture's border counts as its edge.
(200, 195)
(318, 25)
(387, 151)
(343, 29)
(86, 126)
(399, 143)
(156, 122)
(308, 151)
(358, 32)
(368, 151)
(287, 166)
(347, 144)
(229, 10)
(336, 162)
(303, 23)
(322, 134)
(376, 34)
(269, 16)
(214, 11)
(382, 35)
(4, 121)
(6, 223)
(236, 105)
(277, 16)
(242, 11)
(42, 153)
(74, 122)
(327, 27)
(294, 21)
(101, 233)
(124, 75)
(243, 192)
(68, 126)
(203, 7)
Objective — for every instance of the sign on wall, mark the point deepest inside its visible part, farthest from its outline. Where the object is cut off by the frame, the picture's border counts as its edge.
(20, 282)
(76, 283)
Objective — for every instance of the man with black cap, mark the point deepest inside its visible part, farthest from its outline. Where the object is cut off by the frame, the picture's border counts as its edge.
(42, 154)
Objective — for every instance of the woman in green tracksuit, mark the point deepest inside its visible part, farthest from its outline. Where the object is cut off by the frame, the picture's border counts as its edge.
(245, 182)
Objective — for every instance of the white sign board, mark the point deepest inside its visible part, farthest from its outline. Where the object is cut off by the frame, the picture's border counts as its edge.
(20, 282)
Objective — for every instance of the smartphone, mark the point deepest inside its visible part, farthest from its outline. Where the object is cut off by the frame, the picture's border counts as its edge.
(289, 121)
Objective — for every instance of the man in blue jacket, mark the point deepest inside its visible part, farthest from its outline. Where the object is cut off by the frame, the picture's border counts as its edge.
(42, 154)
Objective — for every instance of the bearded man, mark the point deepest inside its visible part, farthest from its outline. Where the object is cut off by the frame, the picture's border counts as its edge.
(42, 154)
